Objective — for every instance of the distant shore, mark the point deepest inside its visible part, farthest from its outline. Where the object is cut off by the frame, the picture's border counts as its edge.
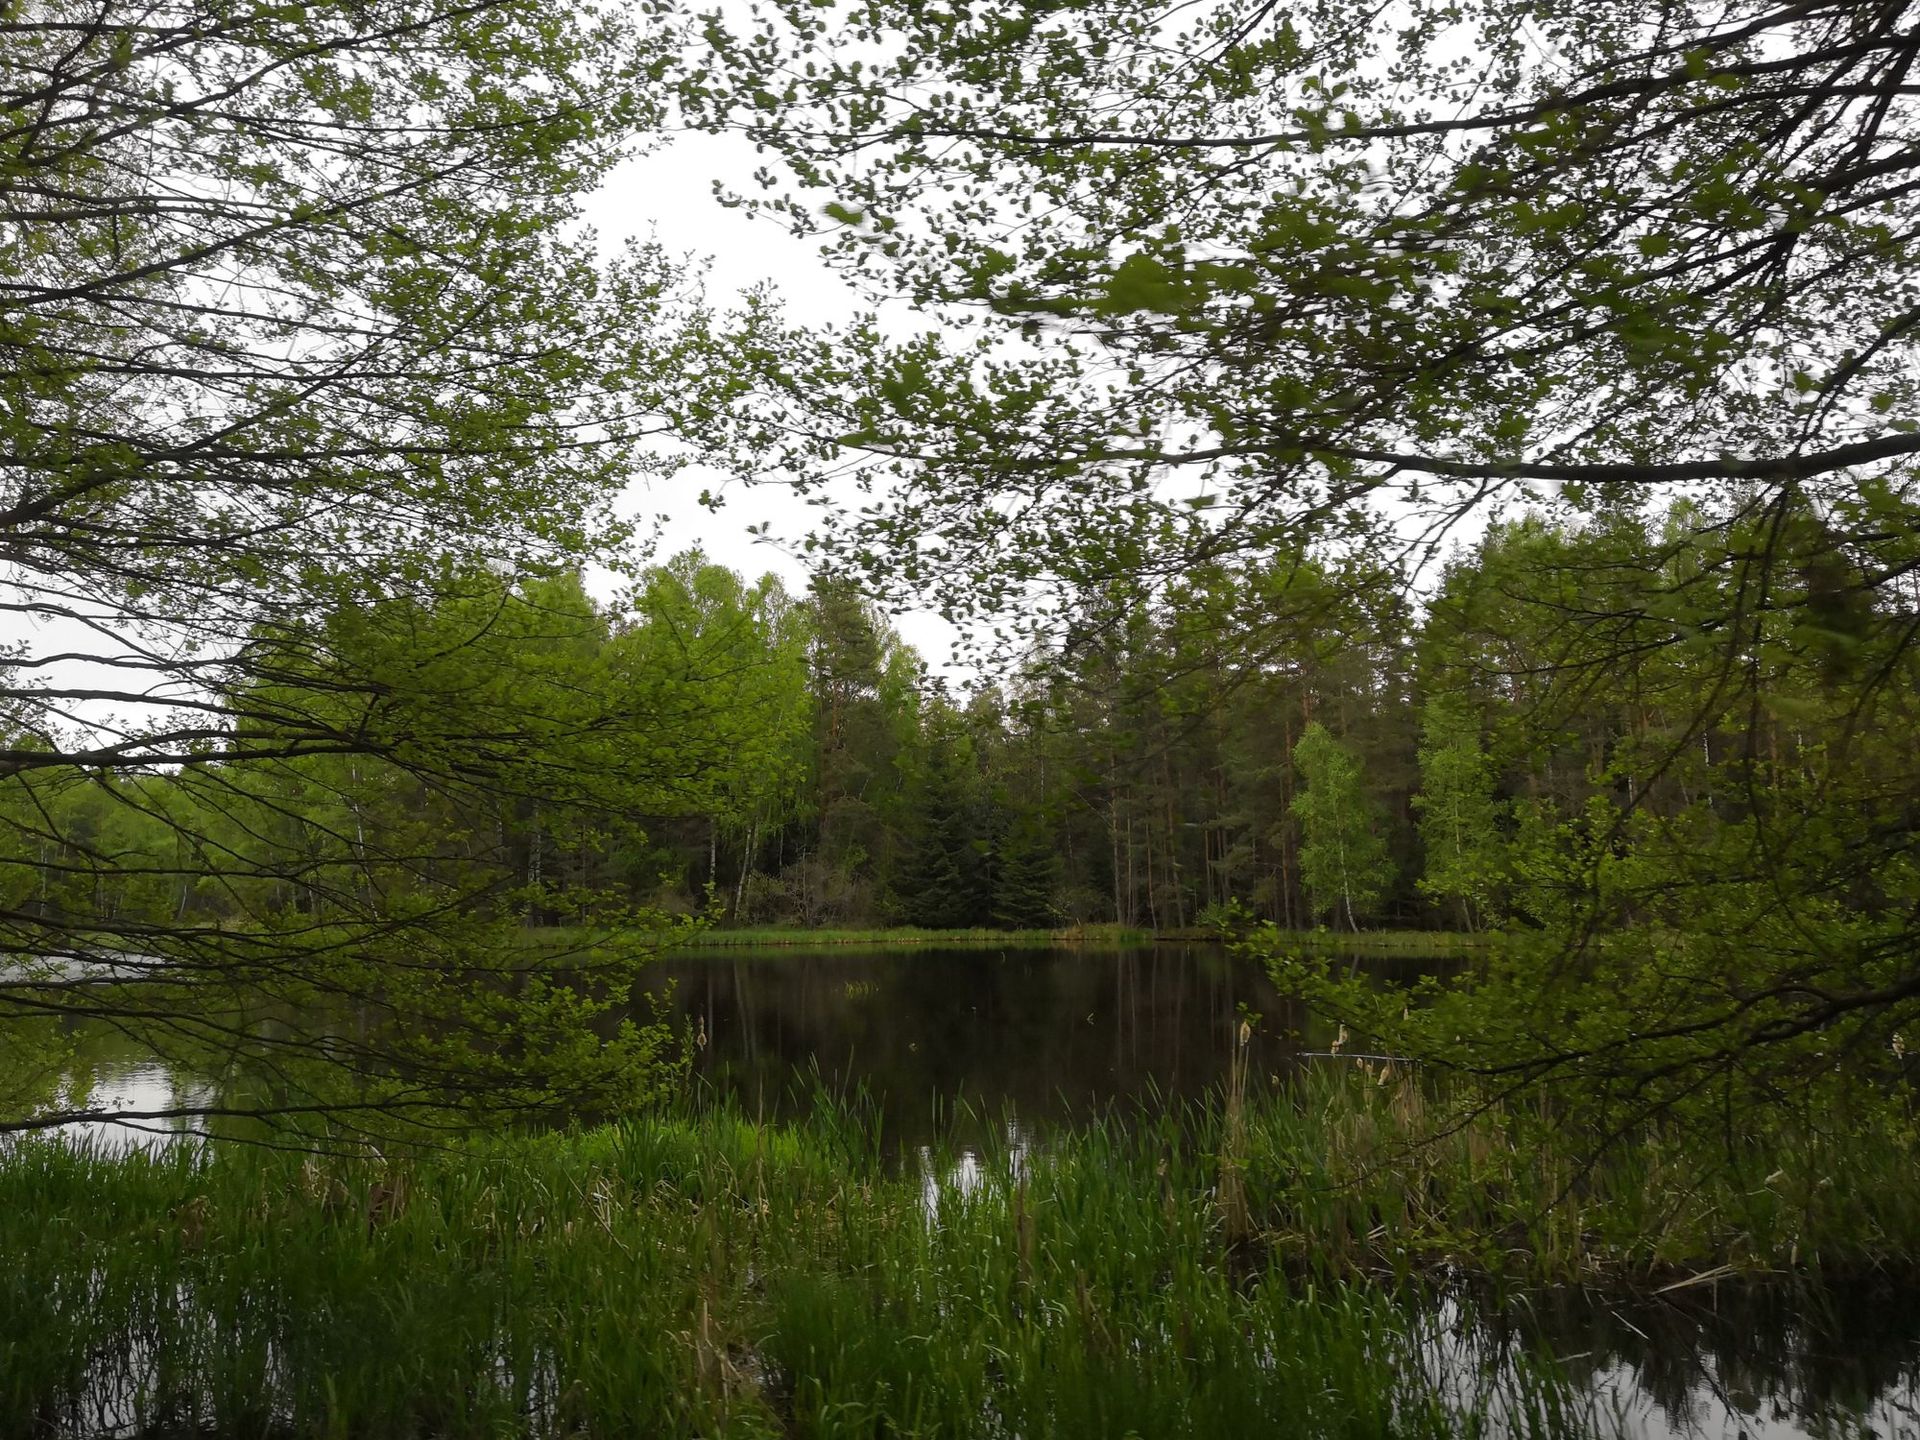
(1394, 942)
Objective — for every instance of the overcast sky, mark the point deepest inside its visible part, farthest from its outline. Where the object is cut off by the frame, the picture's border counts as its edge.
(668, 196)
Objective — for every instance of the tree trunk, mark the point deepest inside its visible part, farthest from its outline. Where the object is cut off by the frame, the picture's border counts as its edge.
(746, 865)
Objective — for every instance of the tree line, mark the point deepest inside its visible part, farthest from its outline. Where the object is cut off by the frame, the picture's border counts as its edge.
(315, 393)
(1298, 742)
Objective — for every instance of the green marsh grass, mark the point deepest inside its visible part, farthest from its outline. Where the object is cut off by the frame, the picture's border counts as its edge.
(701, 1275)
(1363, 1168)
(1275, 1265)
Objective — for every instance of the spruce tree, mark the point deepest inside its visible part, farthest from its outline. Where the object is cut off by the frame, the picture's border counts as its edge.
(941, 884)
(1026, 875)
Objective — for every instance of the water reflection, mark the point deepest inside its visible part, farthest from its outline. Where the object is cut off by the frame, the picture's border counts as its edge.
(1735, 1361)
(970, 1057)
(135, 1086)
(976, 1036)
(963, 1173)
(1732, 1363)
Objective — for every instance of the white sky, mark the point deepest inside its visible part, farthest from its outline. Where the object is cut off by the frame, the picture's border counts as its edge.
(668, 196)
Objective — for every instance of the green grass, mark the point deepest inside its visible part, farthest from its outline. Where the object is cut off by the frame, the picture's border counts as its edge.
(1421, 943)
(1369, 942)
(1357, 1168)
(770, 937)
(908, 937)
(693, 1276)
(1261, 1268)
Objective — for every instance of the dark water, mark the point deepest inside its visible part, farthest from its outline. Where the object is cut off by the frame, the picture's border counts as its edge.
(1024, 1040)
(1032, 1037)
(1736, 1362)
(1020, 1041)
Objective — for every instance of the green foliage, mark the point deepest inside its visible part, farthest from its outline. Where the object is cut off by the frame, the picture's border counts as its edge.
(738, 651)
(1459, 817)
(313, 398)
(1709, 874)
(506, 776)
(364, 406)
(1288, 261)
(1259, 291)
(1343, 862)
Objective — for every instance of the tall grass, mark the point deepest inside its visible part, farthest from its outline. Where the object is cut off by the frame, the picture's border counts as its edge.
(1263, 1267)
(692, 1276)
(1360, 1167)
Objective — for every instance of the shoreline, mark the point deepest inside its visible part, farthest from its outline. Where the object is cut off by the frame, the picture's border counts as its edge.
(1423, 943)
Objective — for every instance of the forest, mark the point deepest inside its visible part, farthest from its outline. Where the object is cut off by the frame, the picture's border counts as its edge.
(1291, 745)
(1429, 502)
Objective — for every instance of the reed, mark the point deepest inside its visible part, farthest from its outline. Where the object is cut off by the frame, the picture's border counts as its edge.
(1363, 1166)
(1270, 1265)
(700, 1275)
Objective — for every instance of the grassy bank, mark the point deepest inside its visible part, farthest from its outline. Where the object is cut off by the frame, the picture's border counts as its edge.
(907, 937)
(1423, 944)
(1252, 1271)
(779, 937)
(773, 937)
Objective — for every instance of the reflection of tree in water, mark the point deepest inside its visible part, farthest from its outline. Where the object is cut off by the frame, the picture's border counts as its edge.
(1046, 1034)
(1819, 1361)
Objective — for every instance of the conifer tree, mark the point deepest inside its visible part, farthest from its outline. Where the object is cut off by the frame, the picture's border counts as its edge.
(944, 884)
(1026, 874)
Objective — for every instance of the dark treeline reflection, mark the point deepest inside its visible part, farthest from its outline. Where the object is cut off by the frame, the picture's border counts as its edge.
(1044, 1035)
(1738, 1359)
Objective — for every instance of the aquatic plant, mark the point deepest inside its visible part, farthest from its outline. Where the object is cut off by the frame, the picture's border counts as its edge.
(1279, 1264)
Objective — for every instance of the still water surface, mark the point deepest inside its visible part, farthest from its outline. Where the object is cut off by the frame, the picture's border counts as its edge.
(1024, 1040)
(1031, 1038)
(1021, 1041)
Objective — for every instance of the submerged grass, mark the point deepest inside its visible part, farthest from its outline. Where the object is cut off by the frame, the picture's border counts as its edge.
(1263, 1267)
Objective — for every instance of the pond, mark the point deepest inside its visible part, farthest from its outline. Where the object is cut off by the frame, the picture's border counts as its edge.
(981, 1036)
(1015, 1042)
